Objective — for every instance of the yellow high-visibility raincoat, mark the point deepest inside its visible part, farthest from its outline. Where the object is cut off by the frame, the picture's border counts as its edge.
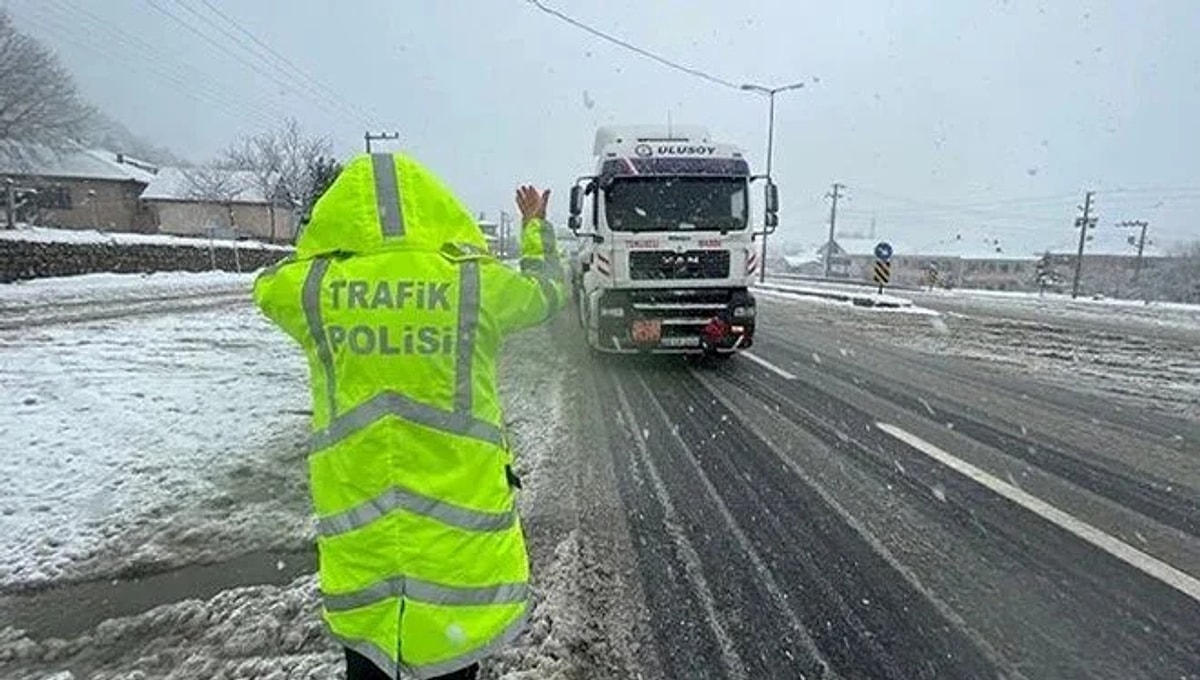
(401, 313)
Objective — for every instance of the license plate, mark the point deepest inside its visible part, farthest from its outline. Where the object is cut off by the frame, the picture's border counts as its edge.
(646, 330)
(686, 341)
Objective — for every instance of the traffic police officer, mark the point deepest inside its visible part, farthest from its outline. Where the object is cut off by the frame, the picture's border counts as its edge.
(401, 312)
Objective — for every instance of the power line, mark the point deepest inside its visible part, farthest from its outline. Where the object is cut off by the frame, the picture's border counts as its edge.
(210, 40)
(1053, 199)
(239, 110)
(293, 81)
(281, 58)
(633, 48)
(179, 73)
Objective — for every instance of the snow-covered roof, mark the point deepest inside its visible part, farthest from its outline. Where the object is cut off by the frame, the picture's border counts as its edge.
(858, 246)
(75, 163)
(976, 247)
(801, 260)
(180, 184)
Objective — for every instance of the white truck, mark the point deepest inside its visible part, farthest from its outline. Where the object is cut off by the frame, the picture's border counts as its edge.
(666, 249)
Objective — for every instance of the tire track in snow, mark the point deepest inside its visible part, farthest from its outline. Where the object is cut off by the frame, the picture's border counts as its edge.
(816, 661)
(732, 663)
(76, 312)
(865, 619)
(1051, 605)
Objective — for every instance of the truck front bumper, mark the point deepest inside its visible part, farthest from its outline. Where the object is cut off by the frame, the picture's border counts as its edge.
(675, 321)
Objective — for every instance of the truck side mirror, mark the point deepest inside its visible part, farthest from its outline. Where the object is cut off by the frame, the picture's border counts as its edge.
(771, 221)
(772, 197)
(574, 222)
(576, 200)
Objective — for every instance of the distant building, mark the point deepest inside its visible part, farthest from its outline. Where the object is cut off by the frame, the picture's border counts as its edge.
(81, 188)
(491, 232)
(222, 204)
(1109, 264)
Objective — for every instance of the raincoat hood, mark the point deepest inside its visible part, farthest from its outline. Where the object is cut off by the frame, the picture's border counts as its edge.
(387, 201)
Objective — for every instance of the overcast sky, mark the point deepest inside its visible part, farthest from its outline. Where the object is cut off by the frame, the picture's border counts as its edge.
(1012, 108)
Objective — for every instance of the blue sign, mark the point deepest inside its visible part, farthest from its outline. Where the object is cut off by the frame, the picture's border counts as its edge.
(883, 251)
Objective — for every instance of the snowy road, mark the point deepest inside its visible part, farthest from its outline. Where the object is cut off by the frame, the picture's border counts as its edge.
(871, 494)
(800, 514)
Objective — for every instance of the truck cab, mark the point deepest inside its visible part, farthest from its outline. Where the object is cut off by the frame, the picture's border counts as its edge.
(666, 247)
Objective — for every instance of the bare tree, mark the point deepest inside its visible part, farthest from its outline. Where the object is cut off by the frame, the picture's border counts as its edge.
(39, 105)
(288, 167)
(261, 158)
(214, 184)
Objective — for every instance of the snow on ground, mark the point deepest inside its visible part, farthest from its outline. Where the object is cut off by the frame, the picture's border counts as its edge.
(260, 632)
(155, 442)
(87, 288)
(859, 299)
(1135, 313)
(118, 433)
(48, 235)
(1145, 364)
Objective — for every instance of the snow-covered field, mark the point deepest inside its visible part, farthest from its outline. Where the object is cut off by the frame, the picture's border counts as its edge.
(38, 302)
(1146, 355)
(48, 235)
(144, 444)
(1136, 314)
(118, 435)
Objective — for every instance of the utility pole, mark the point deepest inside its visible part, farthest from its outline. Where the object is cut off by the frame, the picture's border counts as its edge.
(1084, 223)
(835, 194)
(368, 137)
(505, 232)
(770, 92)
(10, 203)
(1137, 267)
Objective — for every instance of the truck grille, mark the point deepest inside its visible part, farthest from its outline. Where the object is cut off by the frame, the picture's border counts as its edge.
(666, 264)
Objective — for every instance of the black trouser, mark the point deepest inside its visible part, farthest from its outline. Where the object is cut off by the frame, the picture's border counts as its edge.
(359, 667)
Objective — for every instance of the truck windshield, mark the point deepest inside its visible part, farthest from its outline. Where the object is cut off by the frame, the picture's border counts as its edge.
(677, 204)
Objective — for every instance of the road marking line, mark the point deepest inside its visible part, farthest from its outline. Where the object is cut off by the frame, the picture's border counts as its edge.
(1151, 566)
(769, 366)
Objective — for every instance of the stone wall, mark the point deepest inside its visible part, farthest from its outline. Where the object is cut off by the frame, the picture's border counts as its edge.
(31, 260)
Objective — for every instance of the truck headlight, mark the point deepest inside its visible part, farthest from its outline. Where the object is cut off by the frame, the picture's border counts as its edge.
(744, 312)
(616, 312)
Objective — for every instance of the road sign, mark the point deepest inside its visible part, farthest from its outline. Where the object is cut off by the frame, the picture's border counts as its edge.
(883, 251)
(882, 273)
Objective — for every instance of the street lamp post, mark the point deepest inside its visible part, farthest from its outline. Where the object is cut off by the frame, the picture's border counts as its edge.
(770, 92)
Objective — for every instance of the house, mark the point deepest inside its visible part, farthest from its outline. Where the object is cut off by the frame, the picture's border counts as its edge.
(1110, 259)
(80, 188)
(215, 203)
(1111, 265)
(971, 261)
(974, 262)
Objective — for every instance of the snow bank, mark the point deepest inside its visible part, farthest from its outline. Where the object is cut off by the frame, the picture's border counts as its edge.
(861, 298)
(48, 235)
(262, 632)
(227, 422)
(871, 302)
(119, 287)
(1172, 315)
(147, 440)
